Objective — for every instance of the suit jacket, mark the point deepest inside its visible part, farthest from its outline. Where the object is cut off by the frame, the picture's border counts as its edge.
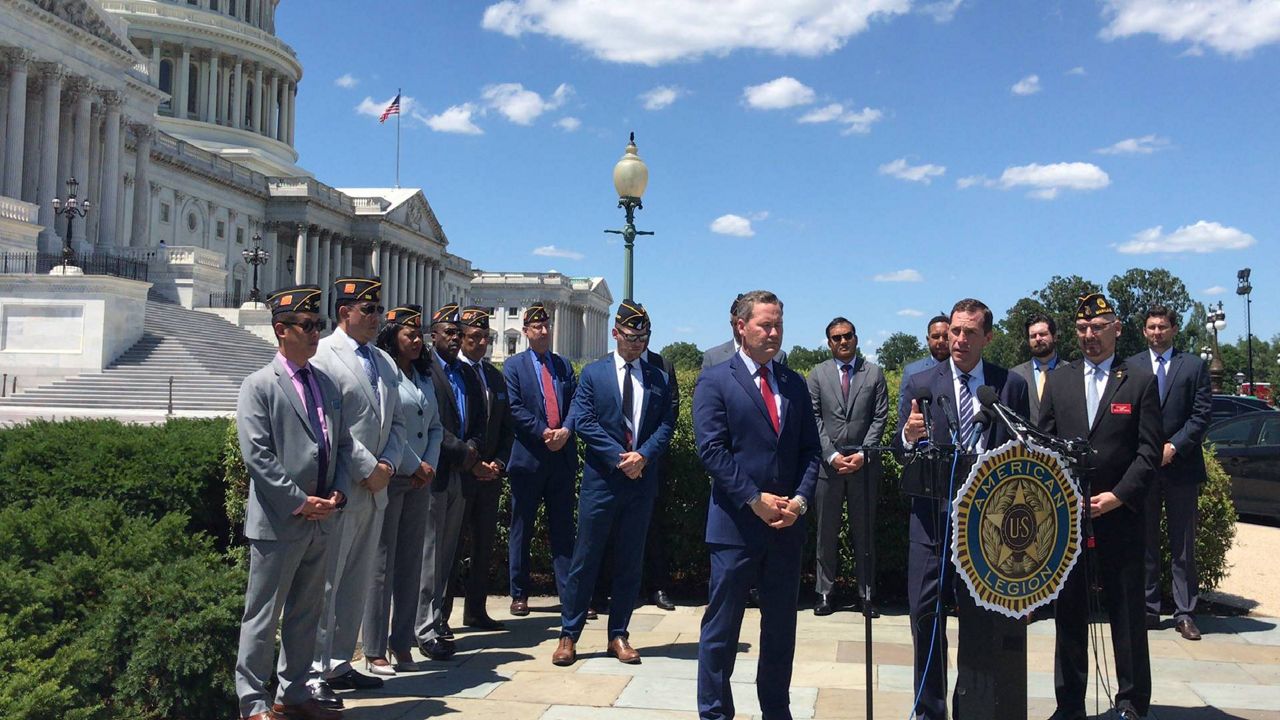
(1186, 411)
(1028, 373)
(722, 352)
(1011, 389)
(529, 455)
(376, 427)
(598, 420)
(844, 423)
(423, 431)
(911, 368)
(744, 456)
(1125, 436)
(281, 455)
(457, 440)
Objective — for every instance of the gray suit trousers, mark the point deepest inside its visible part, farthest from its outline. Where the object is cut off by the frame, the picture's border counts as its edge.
(284, 576)
(444, 528)
(1180, 500)
(397, 571)
(834, 492)
(347, 581)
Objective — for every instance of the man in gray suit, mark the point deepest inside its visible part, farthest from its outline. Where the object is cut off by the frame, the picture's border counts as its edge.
(1042, 338)
(722, 352)
(295, 445)
(851, 403)
(939, 351)
(369, 383)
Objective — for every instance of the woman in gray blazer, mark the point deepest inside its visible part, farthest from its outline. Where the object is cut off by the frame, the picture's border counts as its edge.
(393, 597)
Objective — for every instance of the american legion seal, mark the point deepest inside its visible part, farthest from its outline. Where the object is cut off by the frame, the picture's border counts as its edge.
(1016, 528)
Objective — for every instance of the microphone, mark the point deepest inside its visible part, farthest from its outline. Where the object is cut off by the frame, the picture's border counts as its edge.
(987, 396)
(949, 410)
(924, 398)
(981, 422)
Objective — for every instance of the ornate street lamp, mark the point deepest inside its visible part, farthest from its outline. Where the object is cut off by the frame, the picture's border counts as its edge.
(1215, 323)
(255, 257)
(71, 209)
(1245, 288)
(289, 265)
(630, 177)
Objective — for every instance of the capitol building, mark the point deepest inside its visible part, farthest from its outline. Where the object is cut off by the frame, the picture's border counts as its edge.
(177, 120)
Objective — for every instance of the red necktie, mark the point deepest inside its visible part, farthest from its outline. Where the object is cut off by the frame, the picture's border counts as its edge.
(845, 369)
(549, 397)
(766, 392)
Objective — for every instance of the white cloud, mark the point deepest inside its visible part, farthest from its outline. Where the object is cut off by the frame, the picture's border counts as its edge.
(347, 81)
(456, 119)
(1029, 85)
(910, 312)
(904, 275)
(1077, 70)
(859, 122)
(662, 96)
(779, 94)
(663, 31)
(912, 173)
(970, 180)
(731, 224)
(1230, 27)
(374, 108)
(1144, 145)
(1202, 237)
(1215, 290)
(1046, 181)
(555, 252)
(568, 123)
(826, 113)
(942, 11)
(522, 106)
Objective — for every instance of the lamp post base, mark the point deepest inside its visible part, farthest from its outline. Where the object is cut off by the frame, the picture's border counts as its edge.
(251, 305)
(66, 270)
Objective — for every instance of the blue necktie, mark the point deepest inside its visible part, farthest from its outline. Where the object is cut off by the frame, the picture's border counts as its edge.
(966, 408)
(459, 393)
(1091, 375)
(370, 369)
(313, 415)
(1161, 378)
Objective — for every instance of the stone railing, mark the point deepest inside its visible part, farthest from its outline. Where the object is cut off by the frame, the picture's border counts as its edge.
(370, 205)
(184, 152)
(175, 255)
(13, 209)
(309, 187)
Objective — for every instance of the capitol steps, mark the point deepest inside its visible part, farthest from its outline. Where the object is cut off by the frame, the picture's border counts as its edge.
(206, 356)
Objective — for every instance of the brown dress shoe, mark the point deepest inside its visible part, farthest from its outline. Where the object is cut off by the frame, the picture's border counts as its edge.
(309, 710)
(268, 715)
(1187, 627)
(519, 607)
(565, 653)
(621, 649)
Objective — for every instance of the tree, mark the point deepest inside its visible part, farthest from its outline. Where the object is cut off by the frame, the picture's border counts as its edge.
(684, 355)
(1135, 291)
(1009, 345)
(1060, 297)
(899, 349)
(802, 359)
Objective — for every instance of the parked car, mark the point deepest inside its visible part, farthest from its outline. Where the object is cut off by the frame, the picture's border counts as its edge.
(1229, 406)
(1249, 449)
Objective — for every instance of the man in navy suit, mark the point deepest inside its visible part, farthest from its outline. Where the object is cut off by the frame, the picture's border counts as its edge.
(939, 350)
(544, 461)
(758, 440)
(1186, 407)
(954, 382)
(624, 411)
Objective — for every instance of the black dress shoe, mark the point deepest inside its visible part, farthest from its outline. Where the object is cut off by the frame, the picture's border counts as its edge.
(871, 611)
(753, 598)
(663, 602)
(1153, 621)
(444, 631)
(823, 606)
(352, 680)
(482, 622)
(438, 649)
(592, 614)
(1128, 714)
(323, 694)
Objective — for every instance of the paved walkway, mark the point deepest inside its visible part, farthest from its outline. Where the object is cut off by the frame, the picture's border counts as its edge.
(1233, 673)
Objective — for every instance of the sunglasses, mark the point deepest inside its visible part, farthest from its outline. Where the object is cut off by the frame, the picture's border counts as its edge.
(644, 337)
(371, 309)
(842, 337)
(309, 326)
(1083, 329)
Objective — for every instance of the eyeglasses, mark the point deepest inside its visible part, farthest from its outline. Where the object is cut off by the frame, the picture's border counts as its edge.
(449, 332)
(842, 337)
(308, 326)
(643, 337)
(1083, 329)
(371, 309)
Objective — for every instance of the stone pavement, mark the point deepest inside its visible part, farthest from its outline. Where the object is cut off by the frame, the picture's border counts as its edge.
(1234, 672)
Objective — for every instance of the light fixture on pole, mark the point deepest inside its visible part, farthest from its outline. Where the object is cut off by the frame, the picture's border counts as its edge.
(255, 256)
(1245, 288)
(1215, 322)
(70, 209)
(630, 177)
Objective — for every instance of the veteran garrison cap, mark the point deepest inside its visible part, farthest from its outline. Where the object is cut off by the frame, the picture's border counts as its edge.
(632, 315)
(410, 315)
(536, 312)
(476, 316)
(296, 298)
(448, 313)
(356, 289)
(1093, 305)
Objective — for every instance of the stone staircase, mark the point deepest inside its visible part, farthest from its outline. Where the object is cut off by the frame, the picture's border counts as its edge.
(206, 356)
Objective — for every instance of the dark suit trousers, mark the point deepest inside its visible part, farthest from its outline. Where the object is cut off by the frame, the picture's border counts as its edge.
(479, 528)
(527, 493)
(620, 508)
(774, 568)
(1118, 563)
(835, 492)
(930, 585)
(1180, 498)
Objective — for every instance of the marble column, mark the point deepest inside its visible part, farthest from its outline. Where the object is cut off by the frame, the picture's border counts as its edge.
(182, 83)
(211, 87)
(80, 154)
(16, 123)
(108, 232)
(347, 249)
(154, 70)
(224, 95)
(237, 104)
(405, 289)
(141, 235)
(94, 191)
(255, 118)
(49, 239)
(66, 137)
(31, 140)
(273, 107)
(313, 255)
(383, 260)
(322, 270)
(335, 260)
(300, 256)
(422, 281)
(375, 263)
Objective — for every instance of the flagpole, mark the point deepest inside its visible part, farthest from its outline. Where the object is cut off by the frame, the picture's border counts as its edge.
(398, 90)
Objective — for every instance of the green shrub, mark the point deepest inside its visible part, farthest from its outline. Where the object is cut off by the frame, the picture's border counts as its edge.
(1215, 530)
(108, 615)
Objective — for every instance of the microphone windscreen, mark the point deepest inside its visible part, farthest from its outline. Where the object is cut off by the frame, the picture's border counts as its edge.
(983, 417)
(987, 396)
(923, 393)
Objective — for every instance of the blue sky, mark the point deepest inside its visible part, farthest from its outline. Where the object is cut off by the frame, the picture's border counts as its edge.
(876, 159)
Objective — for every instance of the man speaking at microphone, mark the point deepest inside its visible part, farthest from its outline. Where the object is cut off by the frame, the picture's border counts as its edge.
(953, 386)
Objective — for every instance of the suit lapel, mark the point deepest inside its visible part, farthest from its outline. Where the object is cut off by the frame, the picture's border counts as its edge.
(748, 384)
(1176, 363)
(783, 385)
(1117, 377)
(286, 386)
(354, 366)
(857, 378)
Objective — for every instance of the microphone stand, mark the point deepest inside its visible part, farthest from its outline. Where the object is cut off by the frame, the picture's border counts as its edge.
(872, 452)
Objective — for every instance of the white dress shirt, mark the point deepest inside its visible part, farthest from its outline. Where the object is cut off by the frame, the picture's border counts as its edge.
(977, 378)
(1155, 362)
(1098, 375)
(637, 389)
(754, 368)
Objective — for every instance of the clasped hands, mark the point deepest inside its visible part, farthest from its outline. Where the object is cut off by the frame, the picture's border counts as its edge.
(318, 508)
(379, 479)
(555, 438)
(847, 464)
(423, 476)
(775, 510)
(631, 464)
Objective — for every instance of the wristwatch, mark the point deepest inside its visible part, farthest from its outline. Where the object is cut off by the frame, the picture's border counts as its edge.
(804, 504)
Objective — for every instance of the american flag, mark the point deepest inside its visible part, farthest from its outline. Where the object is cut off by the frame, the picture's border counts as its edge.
(392, 109)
